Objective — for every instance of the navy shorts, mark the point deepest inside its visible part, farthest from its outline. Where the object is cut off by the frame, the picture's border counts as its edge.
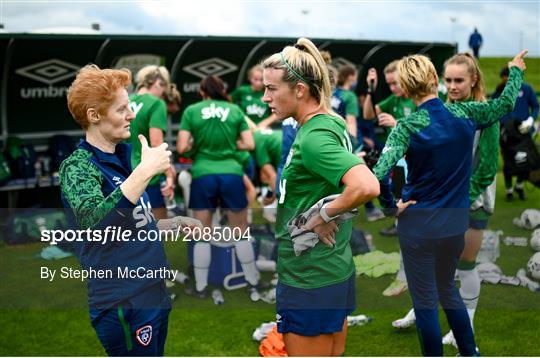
(135, 327)
(156, 198)
(224, 190)
(311, 312)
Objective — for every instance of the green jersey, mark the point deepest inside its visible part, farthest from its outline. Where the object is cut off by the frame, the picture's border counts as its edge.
(399, 107)
(251, 103)
(215, 126)
(150, 112)
(267, 147)
(350, 101)
(319, 157)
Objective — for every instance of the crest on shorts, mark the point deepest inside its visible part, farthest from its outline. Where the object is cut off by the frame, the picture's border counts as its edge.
(144, 335)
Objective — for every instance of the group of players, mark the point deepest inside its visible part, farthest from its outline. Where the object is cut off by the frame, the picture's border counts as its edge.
(107, 181)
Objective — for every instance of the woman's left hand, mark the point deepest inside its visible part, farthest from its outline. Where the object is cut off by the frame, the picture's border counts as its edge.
(325, 231)
(404, 205)
(168, 189)
(387, 120)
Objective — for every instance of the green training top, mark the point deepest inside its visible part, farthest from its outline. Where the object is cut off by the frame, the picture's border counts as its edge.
(251, 103)
(398, 107)
(215, 126)
(150, 112)
(319, 157)
(350, 101)
(267, 147)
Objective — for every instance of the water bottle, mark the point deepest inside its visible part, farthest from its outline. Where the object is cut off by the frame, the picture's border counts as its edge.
(515, 241)
(170, 203)
(359, 320)
(37, 168)
(217, 297)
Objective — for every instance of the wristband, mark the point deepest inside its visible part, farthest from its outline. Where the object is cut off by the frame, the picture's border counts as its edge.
(324, 214)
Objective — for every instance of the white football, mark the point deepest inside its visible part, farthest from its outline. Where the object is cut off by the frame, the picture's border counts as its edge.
(535, 240)
(533, 266)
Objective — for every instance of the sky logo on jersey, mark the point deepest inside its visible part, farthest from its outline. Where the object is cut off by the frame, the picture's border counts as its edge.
(50, 71)
(210, 67)
(255, 110)
(143, 214)
(214, 111)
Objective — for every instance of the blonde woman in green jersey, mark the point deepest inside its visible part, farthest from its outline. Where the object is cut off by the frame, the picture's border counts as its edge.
(316, 289)
(151, 121)
(249, 98)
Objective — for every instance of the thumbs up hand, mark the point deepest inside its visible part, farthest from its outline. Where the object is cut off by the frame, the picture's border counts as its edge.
(154, 160)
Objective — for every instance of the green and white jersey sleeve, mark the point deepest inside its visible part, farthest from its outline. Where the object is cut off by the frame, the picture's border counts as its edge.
(251, 103)
(80, 182)
(320, 155)
(485, 161)
(398, 142)
(487, 113)
(215, 127)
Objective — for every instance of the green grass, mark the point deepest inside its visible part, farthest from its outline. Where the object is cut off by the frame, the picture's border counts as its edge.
(40, 318)
(43, 318)
(491, 67)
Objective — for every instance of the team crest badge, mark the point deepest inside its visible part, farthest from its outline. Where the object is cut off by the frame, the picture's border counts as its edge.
(144, 335)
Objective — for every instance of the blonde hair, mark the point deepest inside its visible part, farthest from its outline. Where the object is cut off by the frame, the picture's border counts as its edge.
(95, 88)
(148, 75)
(303, 63)
(333, 75)
(172, 95)
(326, 56)
(417, 76)
(478, 92)
(257, 67)
(391, 67)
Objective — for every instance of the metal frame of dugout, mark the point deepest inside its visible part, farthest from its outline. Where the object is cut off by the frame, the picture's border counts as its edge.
(37, 69)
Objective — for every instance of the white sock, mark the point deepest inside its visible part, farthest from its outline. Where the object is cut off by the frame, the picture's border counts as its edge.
(184, 180)
(249, 216)
(470, 290)
(201, 263)
(401, 273)
(246, 256)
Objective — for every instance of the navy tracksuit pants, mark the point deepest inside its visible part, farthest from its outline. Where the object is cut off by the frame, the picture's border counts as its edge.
(430, 265)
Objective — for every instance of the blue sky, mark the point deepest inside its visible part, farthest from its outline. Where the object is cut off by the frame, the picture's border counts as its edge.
(505, 25)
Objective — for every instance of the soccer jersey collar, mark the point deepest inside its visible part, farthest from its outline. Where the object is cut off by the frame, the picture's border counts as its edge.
(121, 155)
(434, 102)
